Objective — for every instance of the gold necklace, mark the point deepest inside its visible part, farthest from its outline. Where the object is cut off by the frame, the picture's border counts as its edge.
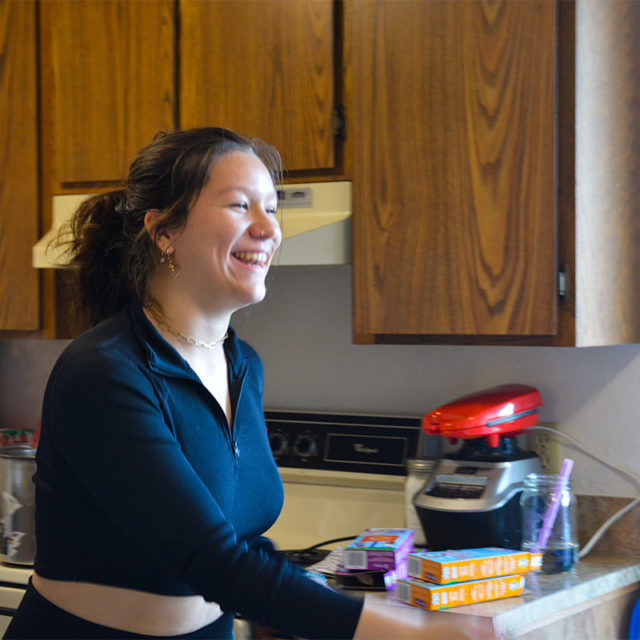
(178, 334)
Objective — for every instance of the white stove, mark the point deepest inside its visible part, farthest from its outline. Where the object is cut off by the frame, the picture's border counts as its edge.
(13, 583)
(341, 474)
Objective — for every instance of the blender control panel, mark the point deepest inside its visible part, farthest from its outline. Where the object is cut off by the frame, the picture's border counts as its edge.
(465, 482)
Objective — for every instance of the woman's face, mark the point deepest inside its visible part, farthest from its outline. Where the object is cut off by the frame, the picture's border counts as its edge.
(232, 231)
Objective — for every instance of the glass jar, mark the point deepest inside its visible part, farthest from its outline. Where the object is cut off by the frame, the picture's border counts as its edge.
(552, 535)
(418, 471)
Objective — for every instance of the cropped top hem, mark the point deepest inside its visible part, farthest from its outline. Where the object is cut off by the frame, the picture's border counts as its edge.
(168, 589)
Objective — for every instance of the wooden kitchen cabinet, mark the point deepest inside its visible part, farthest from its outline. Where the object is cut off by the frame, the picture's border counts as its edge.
(264, 68)
(19, 286)
(108, 85)
(114, 72)
(495, 175)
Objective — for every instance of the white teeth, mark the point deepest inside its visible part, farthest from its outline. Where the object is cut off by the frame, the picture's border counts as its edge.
(253, 257)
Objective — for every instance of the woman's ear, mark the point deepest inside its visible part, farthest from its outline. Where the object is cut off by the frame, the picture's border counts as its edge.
(161, 239)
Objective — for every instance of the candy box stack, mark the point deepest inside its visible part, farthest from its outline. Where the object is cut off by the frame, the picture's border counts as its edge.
(378, 550)
(442, 579)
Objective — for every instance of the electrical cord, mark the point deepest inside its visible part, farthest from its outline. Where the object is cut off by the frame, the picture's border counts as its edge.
(618, 514)
(313, 554)
(324, 542)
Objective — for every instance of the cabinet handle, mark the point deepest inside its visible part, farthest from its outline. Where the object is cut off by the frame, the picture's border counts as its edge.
(562, 283)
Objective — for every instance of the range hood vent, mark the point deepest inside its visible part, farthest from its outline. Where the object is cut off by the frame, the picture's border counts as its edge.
(315, 220)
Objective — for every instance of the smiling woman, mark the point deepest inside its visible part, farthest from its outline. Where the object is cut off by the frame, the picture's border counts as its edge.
(155, 479)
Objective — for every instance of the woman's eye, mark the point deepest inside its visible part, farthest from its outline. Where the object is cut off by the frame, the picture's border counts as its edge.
(240, 205)
(272, 210)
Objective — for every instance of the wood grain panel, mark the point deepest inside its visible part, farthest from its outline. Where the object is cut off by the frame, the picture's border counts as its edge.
(607, 169)
(19, 291)
(111, 70)
(264, 68)
(454, 171)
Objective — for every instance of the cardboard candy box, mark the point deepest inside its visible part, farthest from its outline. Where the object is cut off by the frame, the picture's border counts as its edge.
(444, 567)
(420, 593)
(378, 550)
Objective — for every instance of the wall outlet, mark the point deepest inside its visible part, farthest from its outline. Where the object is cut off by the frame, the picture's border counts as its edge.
(547, 445)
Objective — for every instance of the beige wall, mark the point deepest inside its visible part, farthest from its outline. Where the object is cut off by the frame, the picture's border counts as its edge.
(302, 331)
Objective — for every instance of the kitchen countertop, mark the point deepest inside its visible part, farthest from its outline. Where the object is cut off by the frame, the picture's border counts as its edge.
(548, 597)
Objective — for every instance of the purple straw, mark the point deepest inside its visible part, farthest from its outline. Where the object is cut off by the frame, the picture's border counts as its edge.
(552, 511)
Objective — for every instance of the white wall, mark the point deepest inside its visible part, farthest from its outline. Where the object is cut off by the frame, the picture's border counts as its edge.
(303, 333)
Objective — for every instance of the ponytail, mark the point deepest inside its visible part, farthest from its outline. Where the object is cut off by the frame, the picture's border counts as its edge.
(109, 254)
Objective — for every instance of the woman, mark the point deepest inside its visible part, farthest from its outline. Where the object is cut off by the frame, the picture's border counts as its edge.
(154, 475)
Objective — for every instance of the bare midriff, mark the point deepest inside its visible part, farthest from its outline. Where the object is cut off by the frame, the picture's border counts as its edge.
(128, 609)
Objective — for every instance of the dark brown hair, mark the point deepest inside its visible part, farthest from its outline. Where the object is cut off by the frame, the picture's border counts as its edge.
(112, 252)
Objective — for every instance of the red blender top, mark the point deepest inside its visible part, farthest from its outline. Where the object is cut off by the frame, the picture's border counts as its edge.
(504, 410)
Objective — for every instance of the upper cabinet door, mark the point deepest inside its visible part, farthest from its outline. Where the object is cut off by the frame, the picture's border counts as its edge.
(263, 68)
(108, 75)
(19, 290)
(454, 176)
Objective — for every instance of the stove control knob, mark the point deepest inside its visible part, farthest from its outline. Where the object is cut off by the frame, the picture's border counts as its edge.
(305, 446)
(279, 443)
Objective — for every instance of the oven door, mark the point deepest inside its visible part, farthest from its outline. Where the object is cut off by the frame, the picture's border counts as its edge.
(10, 597)
(320, 506)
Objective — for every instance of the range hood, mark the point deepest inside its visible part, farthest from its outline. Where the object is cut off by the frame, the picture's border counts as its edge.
(315, 220)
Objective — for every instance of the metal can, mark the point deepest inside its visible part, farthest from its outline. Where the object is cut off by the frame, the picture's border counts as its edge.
(17, 505)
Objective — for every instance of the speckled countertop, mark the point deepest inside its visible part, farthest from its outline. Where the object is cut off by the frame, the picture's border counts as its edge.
(552, 596)
(549, 594)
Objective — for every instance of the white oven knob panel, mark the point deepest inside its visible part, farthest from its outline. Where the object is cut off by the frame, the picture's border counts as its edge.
(339, 442)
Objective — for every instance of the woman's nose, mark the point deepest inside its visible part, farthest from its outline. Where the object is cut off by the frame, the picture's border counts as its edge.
(265, 225)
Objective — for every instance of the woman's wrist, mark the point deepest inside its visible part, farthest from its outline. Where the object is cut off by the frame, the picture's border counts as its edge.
(381, 621)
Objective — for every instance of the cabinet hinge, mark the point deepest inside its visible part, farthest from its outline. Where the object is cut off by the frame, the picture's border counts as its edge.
(562, 283)
(339, 126)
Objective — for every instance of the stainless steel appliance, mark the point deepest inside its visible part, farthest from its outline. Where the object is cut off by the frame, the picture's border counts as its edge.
(17, 504)
(18, 542)
(472, 498)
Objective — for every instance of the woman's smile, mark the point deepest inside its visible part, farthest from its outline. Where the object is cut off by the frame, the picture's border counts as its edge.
(252, 258)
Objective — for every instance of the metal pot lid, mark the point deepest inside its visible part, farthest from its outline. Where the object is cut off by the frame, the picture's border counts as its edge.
(20, 452)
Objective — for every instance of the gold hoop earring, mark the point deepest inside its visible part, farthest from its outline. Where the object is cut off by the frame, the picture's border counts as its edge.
(165, 256)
